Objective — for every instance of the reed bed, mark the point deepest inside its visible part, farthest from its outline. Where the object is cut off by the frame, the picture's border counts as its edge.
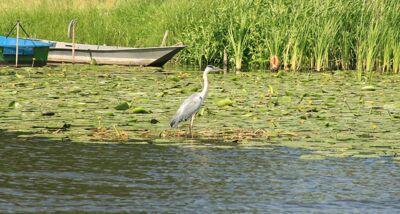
(313, 35)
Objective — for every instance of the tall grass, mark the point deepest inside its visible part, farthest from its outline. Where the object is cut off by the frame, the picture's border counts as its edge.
(100, 21)
(240, 28)
(360, 35)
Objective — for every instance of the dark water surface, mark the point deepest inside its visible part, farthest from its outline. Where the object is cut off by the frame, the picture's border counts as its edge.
(74, 177)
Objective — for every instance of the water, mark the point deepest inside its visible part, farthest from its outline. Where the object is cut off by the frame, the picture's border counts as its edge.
(75, 177)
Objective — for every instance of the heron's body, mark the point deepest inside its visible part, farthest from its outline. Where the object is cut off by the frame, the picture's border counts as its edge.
(193, 103)
(189, 107)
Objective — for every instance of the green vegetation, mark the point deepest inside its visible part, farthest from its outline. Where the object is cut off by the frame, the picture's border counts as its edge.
(110, 104)
(315, 35)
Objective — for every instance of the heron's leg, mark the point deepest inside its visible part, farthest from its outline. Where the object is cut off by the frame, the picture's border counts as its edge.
(191, 125)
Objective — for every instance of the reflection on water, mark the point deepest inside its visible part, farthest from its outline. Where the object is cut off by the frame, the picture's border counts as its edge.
(116, 178)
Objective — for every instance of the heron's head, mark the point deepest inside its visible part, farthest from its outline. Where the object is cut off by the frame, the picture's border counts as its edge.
(212, 68)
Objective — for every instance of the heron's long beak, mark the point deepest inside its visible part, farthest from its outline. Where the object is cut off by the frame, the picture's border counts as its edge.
(216, 69)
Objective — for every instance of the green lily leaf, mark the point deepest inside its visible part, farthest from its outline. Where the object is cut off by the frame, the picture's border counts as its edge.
(224, 102)
(139, 110)
(122, 106)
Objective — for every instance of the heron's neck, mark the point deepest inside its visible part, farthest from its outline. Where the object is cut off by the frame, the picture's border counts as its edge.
(205, 85)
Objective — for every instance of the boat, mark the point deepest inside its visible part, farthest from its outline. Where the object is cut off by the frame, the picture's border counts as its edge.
(30, 52)
(61, 52)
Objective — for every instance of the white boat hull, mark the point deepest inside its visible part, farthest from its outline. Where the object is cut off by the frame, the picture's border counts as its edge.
(106, 55)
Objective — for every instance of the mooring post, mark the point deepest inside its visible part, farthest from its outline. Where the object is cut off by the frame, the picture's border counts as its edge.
(16, 46)
(71, 34)
(73, 44)
(164, 40)
(226, 64)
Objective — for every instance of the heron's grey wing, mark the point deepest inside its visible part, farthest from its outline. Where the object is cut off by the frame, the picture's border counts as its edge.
(189, 107)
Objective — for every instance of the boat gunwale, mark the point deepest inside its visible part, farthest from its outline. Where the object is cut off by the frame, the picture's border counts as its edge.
(116, 49)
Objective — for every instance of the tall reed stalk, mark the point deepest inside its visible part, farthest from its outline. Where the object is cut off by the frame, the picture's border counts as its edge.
(239, 30)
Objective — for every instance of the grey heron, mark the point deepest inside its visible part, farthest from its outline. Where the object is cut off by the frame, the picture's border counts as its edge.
(193, 103)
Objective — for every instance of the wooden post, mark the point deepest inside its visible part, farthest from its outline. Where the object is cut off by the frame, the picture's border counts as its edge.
(226, 63)
(71, 35)
(73, 43)
(16, 46)
(164, 40)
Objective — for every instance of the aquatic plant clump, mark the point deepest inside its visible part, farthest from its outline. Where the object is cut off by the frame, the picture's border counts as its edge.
(304, 35)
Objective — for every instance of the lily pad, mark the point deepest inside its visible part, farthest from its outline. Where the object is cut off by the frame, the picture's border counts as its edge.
(75, 89)
(139, 110)
(14, 104)
(224, 102)
(368, 88)
(122, 106)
